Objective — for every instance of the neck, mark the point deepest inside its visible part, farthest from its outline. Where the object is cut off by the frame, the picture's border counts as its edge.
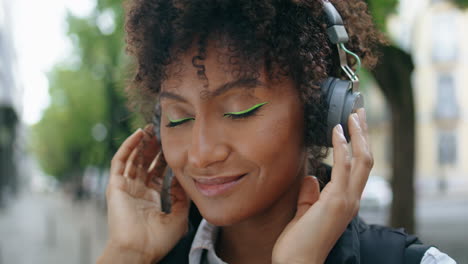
(253, 239)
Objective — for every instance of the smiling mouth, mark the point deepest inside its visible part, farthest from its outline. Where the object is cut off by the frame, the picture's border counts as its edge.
(213, 186)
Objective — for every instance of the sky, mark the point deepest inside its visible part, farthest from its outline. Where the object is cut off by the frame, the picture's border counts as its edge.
(39, 35)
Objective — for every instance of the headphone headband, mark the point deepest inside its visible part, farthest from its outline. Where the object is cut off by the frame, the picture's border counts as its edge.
(336, 30)
(338, 35)
(342, 96)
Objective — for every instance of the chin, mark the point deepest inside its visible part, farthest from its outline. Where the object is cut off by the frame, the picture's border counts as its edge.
(220, 220)
(223, 215)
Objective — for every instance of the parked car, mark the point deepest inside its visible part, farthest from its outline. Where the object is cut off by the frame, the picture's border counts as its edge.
(377, 194)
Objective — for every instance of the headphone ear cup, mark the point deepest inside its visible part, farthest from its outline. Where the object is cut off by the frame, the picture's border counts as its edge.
(353, 101)
(341, 102)
(166, 201)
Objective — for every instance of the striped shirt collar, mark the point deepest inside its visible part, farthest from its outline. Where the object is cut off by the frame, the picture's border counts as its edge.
(205, 240)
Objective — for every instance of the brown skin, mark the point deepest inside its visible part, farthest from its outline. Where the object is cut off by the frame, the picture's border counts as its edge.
(273, 207)
(268, 147)
(138, 231)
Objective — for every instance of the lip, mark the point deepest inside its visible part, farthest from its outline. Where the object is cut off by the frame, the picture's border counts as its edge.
(214, 186)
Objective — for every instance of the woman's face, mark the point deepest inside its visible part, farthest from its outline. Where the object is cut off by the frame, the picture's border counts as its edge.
(236, 146)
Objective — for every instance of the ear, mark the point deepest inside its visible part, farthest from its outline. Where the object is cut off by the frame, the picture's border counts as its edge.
(308, 195)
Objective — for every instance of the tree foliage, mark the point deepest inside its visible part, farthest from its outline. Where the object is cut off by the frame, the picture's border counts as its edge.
(380, 10)
(461, 3)
(86, 92)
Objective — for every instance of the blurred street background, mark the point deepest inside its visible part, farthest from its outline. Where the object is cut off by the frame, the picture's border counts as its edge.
(63, 115)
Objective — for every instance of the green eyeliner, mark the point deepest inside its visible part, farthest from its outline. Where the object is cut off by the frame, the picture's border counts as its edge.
(245, 111)
(233, 115)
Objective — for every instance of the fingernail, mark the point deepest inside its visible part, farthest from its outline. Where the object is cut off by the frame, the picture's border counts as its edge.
(362, 114)
(137, 131)
(339, 129)
(355, 117)
(149, 127)
(149, 130)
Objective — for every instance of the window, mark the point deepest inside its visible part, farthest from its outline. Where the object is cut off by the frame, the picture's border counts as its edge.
(446, 106)
(444, 38)
(447, 147)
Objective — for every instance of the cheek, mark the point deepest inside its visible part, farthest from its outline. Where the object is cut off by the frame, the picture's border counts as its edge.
(173, 143)
(274, 147)
(278, 142)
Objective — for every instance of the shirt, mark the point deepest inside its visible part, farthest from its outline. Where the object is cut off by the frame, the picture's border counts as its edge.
(203, 251)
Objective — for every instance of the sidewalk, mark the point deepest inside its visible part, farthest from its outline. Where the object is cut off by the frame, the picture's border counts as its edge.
(50, 228)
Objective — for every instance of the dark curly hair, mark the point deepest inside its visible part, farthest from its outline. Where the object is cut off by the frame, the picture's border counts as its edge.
(284, 37)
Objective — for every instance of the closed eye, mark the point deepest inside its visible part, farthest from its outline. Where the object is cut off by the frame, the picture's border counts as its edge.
(176, 122)
(245, 113)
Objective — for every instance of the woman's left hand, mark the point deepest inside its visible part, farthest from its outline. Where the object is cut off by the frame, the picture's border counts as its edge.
(321, 218)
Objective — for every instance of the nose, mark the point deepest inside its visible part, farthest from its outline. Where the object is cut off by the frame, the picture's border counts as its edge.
(208, 145)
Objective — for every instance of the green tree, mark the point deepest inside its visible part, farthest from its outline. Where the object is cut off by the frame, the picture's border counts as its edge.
(462, 3)
(87, 118)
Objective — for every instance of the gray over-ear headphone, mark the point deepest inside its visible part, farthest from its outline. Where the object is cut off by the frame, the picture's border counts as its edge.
(342, 96)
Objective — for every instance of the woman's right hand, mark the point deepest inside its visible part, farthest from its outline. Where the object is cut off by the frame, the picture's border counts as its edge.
(138, 230)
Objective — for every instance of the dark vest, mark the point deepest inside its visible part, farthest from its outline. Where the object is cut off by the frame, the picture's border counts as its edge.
(360, 244)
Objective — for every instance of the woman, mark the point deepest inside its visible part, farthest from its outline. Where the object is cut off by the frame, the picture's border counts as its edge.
(234, 88)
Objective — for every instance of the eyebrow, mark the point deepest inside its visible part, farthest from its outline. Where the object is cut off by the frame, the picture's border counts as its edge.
(241, 83)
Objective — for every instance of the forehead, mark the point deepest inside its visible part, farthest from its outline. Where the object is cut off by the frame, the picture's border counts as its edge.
(190, 76)
(205, 94)
(205, 73)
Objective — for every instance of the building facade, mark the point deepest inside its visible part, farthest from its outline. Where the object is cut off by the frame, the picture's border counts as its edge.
(435, 34)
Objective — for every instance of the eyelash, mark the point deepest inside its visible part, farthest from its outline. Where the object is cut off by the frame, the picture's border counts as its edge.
(243, 115)
(229, 115)
(173, 124)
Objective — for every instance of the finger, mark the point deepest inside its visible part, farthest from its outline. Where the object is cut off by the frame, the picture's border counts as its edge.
(148, 151)
(155, 186)
(150, 146)
(308, 195)
(131, 164)
(140, 171)
(363, 123)
(362, 161)
(141, 157)
(341, 160)
(120, 158)
(180, 200)
(156, 171)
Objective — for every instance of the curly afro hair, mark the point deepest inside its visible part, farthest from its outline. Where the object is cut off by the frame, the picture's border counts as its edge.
(284, 37)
